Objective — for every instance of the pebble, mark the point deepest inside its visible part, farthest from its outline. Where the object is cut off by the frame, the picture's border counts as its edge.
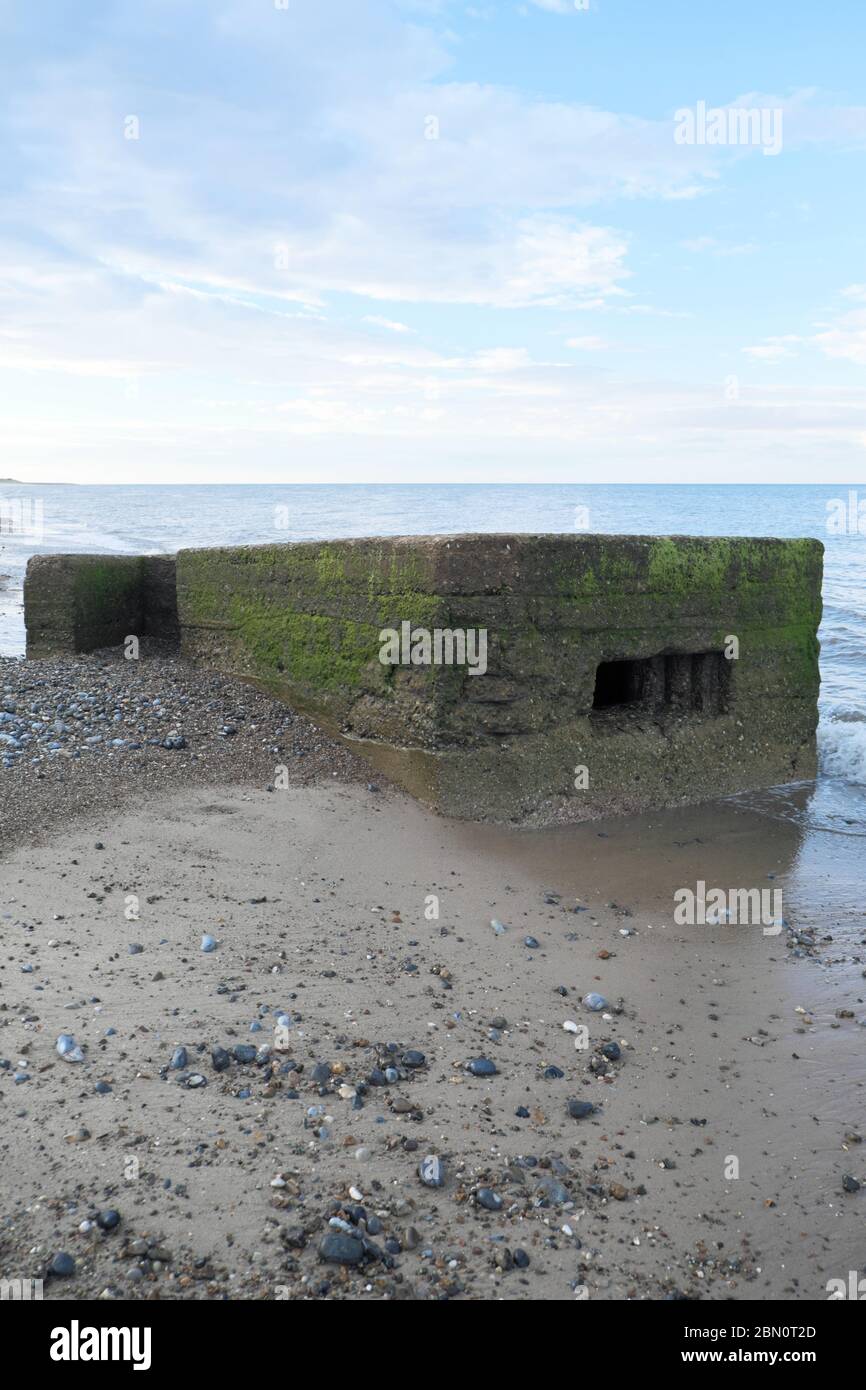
(62, 1265)
(579, 1109)
(340, 1249)
(487, 1198)
(482, 1066)
(208, 943)
(553, 1192)
(595, 1002)
(68, 1048)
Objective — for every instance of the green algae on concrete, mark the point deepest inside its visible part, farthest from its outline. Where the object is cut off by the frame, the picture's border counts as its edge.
(304, 621)
(78, 603)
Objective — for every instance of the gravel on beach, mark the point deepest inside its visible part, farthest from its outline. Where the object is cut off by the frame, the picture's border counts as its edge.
(79, 734)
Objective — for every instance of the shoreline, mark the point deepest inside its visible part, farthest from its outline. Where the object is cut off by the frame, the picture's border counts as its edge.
(730, 1045)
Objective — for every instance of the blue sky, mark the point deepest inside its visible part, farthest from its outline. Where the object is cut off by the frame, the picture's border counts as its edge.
(421, 241)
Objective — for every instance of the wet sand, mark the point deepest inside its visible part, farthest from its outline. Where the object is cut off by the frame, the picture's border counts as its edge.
(317, 896)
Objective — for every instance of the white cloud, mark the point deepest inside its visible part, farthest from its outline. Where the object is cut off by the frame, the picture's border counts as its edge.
(847, 340)
(774, 349)
(560, 6)
(391, 324)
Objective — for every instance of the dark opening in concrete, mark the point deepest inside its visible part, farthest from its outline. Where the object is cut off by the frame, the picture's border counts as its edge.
(696, 682)
(619, 683)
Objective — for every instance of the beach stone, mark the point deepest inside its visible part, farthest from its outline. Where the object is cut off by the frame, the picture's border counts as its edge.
(431, 1171)
(579, 1109)
(552, 1192)
(340, 1249)
(594, 1002)
(850, 1184)
(62, 1265)
(487, 1198)
(220, 1058)
(109, 1219)
(482, 1066)
(612, 1051)
(413, 1058)
(244, 1052)
(178, 1059)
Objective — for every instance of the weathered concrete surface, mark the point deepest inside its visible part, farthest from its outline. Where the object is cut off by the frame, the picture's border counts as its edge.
(77, 603)
(303, 621)
(159, 598)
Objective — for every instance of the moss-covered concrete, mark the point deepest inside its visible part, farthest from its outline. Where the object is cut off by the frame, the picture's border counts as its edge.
(78, 603)
(304, 621)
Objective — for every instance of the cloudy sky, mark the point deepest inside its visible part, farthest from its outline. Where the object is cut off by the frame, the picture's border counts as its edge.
(425, 240)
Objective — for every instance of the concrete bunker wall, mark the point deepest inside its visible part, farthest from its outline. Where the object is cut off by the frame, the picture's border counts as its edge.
(304, 621)
(604, 653)
(78, 603)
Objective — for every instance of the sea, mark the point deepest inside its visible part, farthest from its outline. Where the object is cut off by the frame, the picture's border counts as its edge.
(143, 519)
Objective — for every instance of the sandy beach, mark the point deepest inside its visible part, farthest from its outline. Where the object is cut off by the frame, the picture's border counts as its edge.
(322, 894)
